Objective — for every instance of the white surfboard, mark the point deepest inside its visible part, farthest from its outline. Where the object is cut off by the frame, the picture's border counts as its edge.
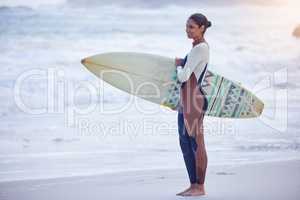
(153, 77)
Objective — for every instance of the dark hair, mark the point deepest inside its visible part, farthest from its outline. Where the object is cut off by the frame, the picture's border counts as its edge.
(200, 19)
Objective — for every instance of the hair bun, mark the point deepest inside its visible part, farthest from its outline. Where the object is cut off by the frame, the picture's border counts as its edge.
(208, 24)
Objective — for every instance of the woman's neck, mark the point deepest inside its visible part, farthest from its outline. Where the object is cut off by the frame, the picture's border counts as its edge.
(198, 40)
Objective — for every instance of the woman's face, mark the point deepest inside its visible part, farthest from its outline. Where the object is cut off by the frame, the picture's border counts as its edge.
(193, 30)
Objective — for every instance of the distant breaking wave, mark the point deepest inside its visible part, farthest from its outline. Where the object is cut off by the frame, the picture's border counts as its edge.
(164, 3)
(270, 147)
(4, 9)
(132, 3)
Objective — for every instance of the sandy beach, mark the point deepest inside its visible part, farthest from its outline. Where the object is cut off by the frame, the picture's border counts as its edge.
(272, 180)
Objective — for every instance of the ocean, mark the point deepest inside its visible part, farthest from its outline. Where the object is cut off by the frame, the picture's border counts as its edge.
(58, 120)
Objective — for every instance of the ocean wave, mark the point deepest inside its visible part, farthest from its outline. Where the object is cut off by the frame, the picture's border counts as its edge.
(31, 4)
(164, 3)
(95, 4)
(270, 147)
(8, 9)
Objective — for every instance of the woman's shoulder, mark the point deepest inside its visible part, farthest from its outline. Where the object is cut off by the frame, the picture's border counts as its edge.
(201, 48)
(201, 45)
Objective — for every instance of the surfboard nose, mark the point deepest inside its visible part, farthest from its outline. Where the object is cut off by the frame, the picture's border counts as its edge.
(83, 61)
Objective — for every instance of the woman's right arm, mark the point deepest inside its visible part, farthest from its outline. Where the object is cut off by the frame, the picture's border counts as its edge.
(193, 59)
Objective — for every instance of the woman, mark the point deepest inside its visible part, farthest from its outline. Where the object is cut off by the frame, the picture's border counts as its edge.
(190, 72)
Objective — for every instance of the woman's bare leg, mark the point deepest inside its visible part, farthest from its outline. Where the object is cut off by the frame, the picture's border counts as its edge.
(201, 156)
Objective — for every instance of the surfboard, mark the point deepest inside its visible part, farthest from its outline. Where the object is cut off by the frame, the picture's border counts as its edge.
(153, 78)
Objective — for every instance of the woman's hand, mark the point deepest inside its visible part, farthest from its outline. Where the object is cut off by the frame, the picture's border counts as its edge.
(178, 61)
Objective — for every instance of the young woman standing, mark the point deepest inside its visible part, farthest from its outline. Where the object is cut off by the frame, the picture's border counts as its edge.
(193, 104)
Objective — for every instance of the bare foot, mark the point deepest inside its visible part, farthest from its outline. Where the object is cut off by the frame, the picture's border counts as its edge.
(195, 191)
(181, 193)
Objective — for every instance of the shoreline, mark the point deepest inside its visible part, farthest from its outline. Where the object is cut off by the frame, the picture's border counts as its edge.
(270, 180)
(120, 172)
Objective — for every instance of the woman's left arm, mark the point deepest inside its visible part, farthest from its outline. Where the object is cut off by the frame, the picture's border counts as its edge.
(178, 61)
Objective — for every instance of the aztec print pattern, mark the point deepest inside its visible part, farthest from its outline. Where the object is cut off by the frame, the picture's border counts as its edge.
(225, 98)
